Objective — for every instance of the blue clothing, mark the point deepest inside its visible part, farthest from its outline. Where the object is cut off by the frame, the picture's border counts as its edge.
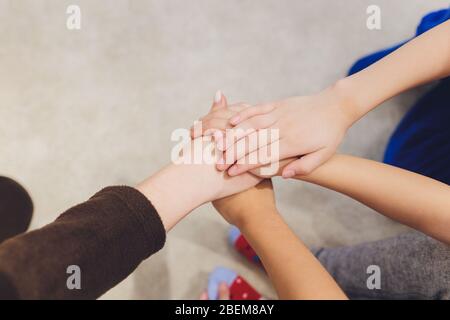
(428, 22)
(421, 141)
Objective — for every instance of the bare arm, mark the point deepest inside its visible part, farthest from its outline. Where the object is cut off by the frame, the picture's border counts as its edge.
(421, 60)
(109, 235)
(312, 127)
(294, 271)
(415, 200)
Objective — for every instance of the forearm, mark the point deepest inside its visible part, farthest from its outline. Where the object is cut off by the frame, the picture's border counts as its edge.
(294, 271)
(109, 235)
(421, 60)
(176, 190)
(412, 199)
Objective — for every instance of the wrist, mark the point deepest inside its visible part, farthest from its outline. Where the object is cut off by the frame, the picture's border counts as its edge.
(249, 221)
(345, 102)
(327, 172)
(175, 191)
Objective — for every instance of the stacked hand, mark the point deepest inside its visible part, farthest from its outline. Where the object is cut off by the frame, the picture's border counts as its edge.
(310, 129)
(252, 204)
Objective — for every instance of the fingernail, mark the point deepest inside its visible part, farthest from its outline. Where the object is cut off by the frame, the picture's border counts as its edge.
(218, 96)
(235, 120)
(288, 174)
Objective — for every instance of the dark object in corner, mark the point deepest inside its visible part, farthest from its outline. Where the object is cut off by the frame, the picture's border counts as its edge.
(16, 209)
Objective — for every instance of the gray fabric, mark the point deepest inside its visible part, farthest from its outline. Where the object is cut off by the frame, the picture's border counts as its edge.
(412, 266)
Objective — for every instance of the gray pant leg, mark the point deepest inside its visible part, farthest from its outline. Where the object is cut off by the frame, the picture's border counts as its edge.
(412, 266)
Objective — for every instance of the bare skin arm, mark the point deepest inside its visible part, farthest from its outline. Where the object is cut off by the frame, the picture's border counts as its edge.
(423, 59)
(417, 201)
(410, 198)
(294, 271)
(312, 127)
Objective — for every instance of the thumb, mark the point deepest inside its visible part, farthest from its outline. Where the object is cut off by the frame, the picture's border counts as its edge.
(306, 164)
(220, 101)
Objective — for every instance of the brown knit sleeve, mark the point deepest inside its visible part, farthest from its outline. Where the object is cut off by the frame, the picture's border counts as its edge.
(106, 237)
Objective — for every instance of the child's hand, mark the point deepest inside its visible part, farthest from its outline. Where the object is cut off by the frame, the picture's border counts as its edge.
(248, 205)
(218, 116)
(259, 172)
(311, 127)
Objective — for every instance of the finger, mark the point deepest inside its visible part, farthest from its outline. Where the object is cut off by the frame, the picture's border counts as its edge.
(268, 154)
(196, 130)
(199, 129)
(220, 101)
(251, 112)
(216, 124)
(246, 145)
(306, 164)
(262, 171)
(224, 113)
(224, 291)
(241, 148)
(220, 113)
(204, 296)
(245, 128)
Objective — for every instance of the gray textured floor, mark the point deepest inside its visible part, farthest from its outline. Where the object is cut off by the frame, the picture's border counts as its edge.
(82, 110)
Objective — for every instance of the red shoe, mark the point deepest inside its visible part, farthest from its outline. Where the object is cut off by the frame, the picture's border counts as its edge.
(239, 288)
(238, 241)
